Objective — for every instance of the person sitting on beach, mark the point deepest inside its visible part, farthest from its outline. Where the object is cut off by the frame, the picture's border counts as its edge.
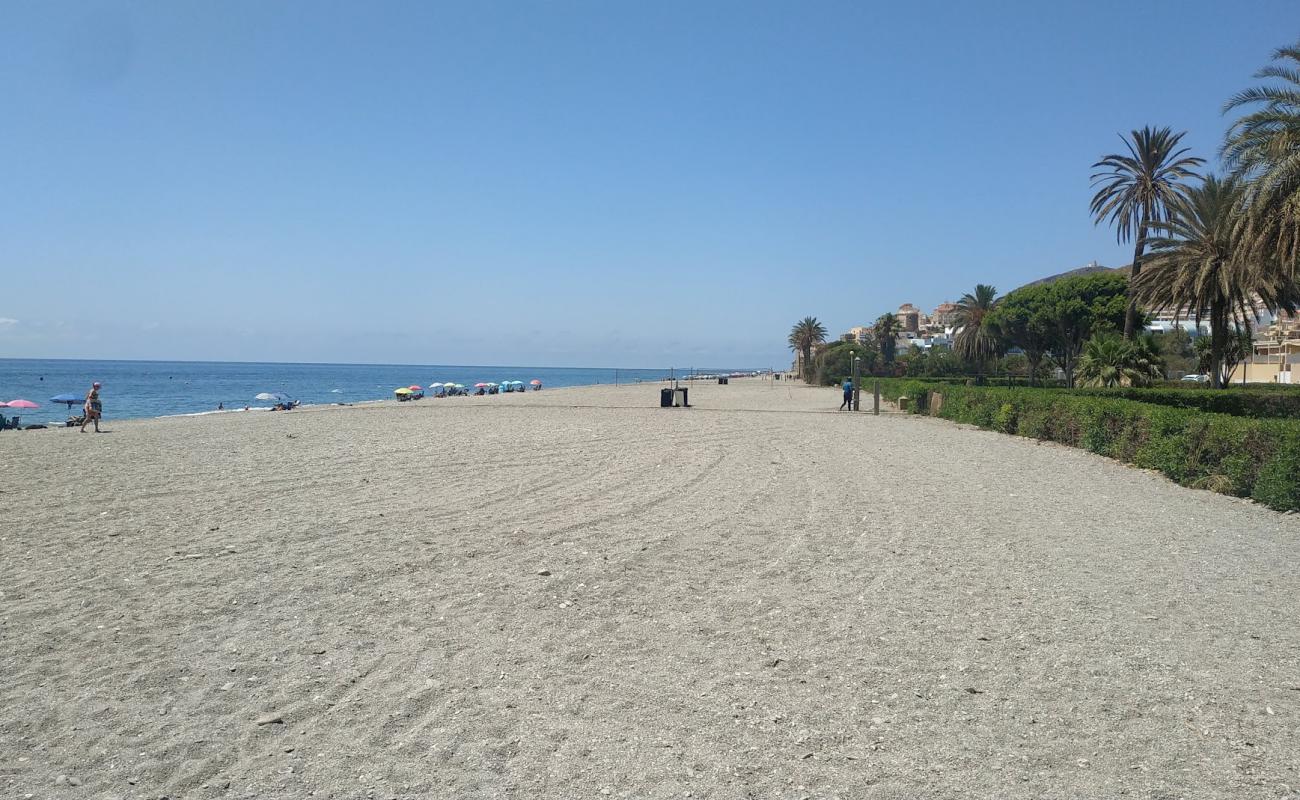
(93, 408)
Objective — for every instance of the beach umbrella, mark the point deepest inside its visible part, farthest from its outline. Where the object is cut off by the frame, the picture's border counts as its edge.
(413, 387)
(536, 382)
(480, 385)
(277, 397)
(434, 385)
(20, 403)
(67, 399)
(402, 390)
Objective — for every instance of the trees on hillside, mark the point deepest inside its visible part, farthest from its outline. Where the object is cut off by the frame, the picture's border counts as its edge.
(1024, 319)
(1138, 189)
(1057, 318)
(806, 334)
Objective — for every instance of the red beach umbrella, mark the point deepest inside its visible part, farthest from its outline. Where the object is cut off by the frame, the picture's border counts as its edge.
(22, 404)
(415, 388)
(480, 386)
(535, 382)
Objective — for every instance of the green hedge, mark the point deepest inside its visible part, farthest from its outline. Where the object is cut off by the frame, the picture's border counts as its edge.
(1247, 457)
(1239, 403)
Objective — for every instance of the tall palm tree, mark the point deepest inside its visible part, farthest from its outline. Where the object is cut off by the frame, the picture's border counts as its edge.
(806, 334)
(1263, 148)
(1138, 189)
(886, 330)
(1199, 265)
(977, 341)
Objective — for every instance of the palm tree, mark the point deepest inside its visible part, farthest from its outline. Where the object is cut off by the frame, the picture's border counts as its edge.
(1147, 357)
(1112, 361)
(976, 340)
(1237, 350)
(806, 334)
(886, 330)
(1200, 265)
(1263, 148)
(1138, 189)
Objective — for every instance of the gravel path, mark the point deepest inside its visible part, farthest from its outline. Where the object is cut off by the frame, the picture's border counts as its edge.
(574, 594)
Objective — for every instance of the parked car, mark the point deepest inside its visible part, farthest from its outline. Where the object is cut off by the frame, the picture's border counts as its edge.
(1197, 378)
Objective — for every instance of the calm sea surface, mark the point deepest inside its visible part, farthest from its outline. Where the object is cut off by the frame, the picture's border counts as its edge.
(158, 388)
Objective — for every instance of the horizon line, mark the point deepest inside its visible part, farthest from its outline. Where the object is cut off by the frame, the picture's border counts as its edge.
(365, 364)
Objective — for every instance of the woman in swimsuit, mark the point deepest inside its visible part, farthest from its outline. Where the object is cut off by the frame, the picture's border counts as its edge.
(93, 408)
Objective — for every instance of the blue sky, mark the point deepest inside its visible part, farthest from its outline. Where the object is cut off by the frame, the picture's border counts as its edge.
(565, 183)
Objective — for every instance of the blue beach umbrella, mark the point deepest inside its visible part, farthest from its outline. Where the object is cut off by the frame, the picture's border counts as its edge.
(68, 399)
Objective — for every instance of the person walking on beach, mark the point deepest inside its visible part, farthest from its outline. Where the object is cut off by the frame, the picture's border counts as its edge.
(92, 409)
(848, 395)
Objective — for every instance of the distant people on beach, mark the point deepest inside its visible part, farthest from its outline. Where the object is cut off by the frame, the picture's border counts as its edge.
(93, 408)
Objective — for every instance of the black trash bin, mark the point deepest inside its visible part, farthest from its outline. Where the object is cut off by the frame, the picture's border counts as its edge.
(723, 381)
(665, 398)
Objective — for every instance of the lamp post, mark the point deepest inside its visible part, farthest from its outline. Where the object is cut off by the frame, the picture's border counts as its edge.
(856, 389)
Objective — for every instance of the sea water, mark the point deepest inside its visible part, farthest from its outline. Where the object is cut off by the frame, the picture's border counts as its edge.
(160, 388)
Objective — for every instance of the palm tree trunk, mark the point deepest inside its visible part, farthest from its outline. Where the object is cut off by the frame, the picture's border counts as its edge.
(1131, 316)
(1218, 342)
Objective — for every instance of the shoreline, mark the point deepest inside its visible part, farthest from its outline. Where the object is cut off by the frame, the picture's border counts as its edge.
(109, 419)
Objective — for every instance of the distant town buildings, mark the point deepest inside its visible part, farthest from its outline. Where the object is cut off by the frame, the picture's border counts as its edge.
(859, 333)
(945, 315)
(909, 318)
(1276, 356)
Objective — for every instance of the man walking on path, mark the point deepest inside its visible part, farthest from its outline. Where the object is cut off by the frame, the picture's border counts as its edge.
(848, 395)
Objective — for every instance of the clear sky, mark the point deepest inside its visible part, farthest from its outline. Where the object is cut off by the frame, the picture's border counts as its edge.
(565, 183)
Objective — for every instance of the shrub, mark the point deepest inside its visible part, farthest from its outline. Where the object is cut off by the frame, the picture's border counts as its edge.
(1248, 402)
(1240, 455)
(1278, 483)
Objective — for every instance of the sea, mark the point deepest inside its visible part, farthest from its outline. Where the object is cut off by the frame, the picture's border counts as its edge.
(134, 389)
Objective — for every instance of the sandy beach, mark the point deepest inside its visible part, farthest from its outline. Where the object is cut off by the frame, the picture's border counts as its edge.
(575, 593)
